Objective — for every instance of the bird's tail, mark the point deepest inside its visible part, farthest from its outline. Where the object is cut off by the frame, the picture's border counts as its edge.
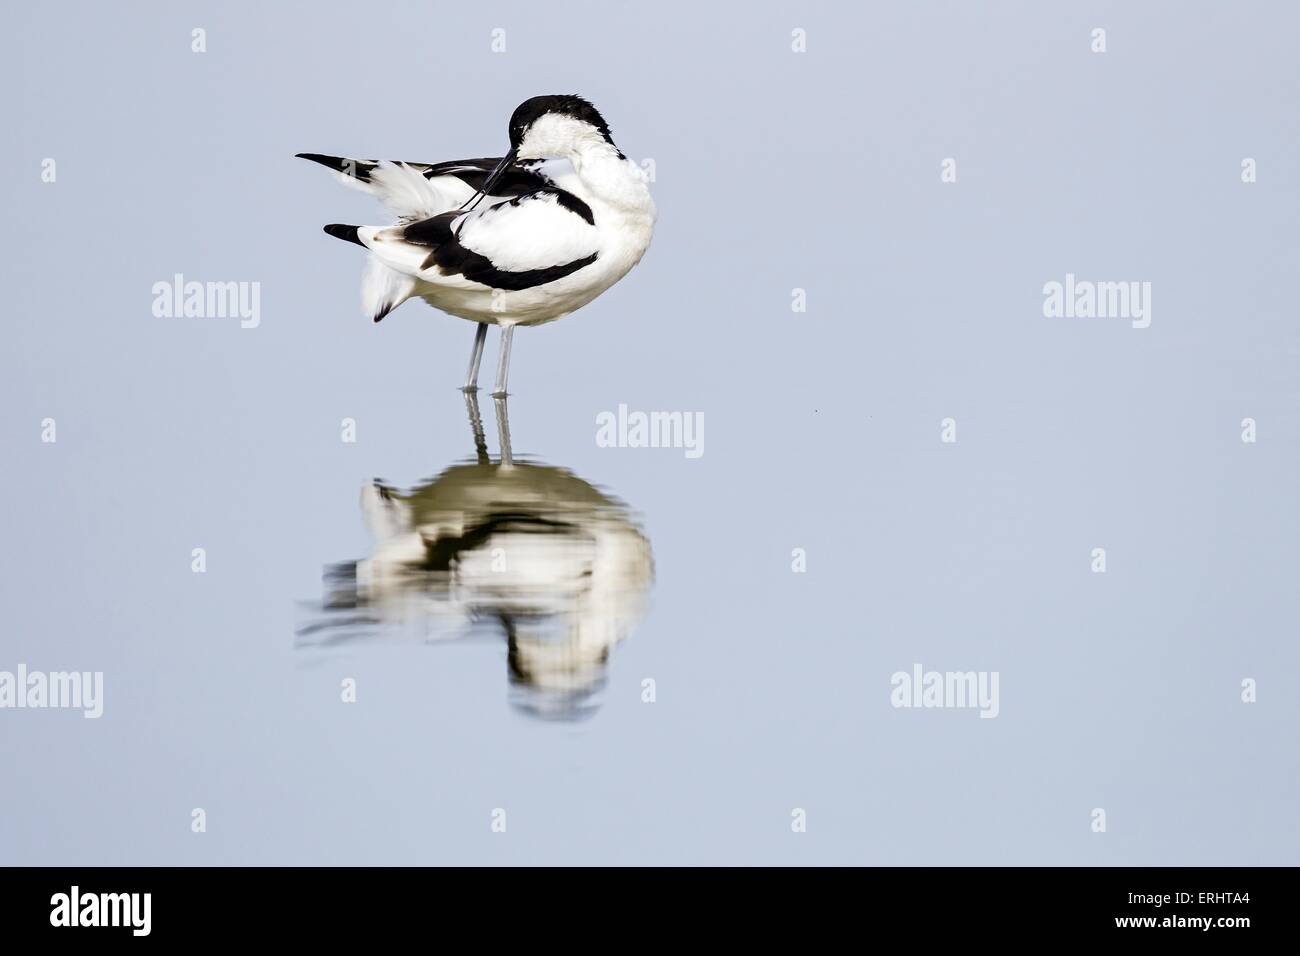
(384, 289)
(347, 233)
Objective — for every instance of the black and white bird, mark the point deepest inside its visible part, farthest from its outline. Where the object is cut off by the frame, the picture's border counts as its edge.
(522, 239)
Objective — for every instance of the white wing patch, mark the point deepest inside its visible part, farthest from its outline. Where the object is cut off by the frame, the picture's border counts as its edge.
(410, 196)
(533, 232)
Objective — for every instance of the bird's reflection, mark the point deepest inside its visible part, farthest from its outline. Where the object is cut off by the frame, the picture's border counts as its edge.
(530, 550)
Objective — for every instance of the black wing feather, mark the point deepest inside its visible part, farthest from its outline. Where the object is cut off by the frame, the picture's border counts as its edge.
(517, 181)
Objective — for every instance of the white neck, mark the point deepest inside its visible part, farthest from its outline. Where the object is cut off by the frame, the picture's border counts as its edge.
(612, 178)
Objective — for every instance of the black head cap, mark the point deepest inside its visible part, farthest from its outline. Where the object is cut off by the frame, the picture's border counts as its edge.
(567, 105)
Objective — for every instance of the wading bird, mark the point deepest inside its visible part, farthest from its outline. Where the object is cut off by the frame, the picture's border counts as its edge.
(522, 239)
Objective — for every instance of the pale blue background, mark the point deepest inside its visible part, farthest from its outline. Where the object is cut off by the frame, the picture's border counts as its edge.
(775, 171)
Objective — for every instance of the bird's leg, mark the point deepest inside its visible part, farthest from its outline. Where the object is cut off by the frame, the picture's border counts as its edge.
(503, 430)
(503, 365)
(476, 425)
(471, 377)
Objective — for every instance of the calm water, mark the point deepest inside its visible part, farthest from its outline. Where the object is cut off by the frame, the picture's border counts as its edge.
(510, 547)
(396, 637)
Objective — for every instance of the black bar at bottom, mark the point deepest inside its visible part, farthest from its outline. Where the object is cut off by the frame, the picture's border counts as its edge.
(213, 905)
